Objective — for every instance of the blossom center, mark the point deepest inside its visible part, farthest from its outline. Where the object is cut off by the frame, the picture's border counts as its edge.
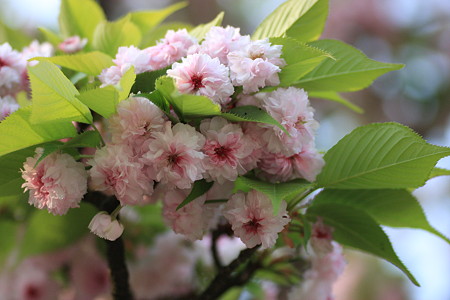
(2, 63)
(32, 292)
(222, 151)
(197, 82)
(253, 225)
(173, 159)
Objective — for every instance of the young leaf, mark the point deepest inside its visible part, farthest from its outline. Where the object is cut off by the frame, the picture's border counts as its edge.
(80, 17)
(199, 188)
(250, 113)
(147, 20)
(277, 192)
(54, 96)
(145, 82)
(65, 230)
(300, 58)
(357, 229)
(50, 36)
(301, 19)
(101, 100)
(350, 71)
(109, 36)
(17, 132)
(380, 156)
(91, 63)
(439, 172)
(394, 208)
(200, 31)
(186, 105)
(333, 96)
(126, 83)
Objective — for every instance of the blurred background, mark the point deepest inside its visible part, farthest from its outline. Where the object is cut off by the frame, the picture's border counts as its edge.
(413, 32)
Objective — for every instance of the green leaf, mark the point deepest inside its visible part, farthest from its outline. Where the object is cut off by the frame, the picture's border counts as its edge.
(46, 233)
(8, 232)
(126, 83)
(158, 100)
(333, 96)
(439, 172)
(357, 229)
(250, 113)
(80, 17)
(91, 63)
(50, 36)
(394, 208)
(199, 188)
(10, 176)
(109, 36)
(380, 156)
(350, 71)
(147, 20)
(200, 31)
(54, 96)
(309, 26)
(300, 58)
(302, 19)
(159, 32)
(17, 132)
(277, 192)
(145, 82)
(101, 100)
(186, 105)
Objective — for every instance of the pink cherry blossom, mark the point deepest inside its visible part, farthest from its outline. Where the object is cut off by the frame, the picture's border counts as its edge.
(89, 272)
(12, 66)
(8, 105)
(256, 65)
(36, 49)
(225, 147)
(318, 281)
(199, 74)
(174, 156)
(277, 167)
(31, 283)
(115, 172)
(321, 238)
(220, 41)
(192, 220)
(104, 226)
(57, 183)
(126, 57)
(291, 108)
(72, 44)
(170, 49)
(164, 270)
(252, 218)
(136, 121)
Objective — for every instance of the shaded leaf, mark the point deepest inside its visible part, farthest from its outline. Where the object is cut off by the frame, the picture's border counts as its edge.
(333, 96)
(199, 188)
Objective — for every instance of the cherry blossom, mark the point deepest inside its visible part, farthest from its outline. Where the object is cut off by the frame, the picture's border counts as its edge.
(72, 44)
(291, 108)
(115, 172)
(105, 226)
(220, 41)
(57, 183)
(256, 65)
(136, 121)
(12, 66)
(36, 49)
(278, 167)
(8, 105)
(170, 49)
(199, 74)
(225, 147)
(252, 218)
(174, 156)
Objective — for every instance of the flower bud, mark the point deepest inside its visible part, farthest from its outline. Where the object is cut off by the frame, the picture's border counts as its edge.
(105, 227)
